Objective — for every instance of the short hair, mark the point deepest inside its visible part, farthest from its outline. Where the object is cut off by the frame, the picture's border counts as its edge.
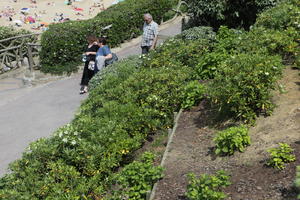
(148, 15)
(102, 40)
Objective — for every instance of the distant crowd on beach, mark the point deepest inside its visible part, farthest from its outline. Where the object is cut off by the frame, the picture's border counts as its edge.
(37, 16)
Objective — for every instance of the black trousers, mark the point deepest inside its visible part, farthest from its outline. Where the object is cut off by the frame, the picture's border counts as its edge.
(86, 75)
(145, 49)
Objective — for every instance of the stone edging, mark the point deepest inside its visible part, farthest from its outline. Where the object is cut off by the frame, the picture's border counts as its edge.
(170, 140)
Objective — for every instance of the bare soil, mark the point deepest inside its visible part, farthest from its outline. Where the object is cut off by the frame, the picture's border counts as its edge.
(192, 151)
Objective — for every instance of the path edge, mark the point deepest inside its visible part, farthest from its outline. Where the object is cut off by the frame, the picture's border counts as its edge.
(167, 150)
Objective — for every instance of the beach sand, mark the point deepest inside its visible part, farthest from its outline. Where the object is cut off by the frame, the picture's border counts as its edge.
(48, 11)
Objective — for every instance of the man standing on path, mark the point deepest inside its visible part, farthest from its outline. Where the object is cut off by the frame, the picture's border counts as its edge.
(150, 30)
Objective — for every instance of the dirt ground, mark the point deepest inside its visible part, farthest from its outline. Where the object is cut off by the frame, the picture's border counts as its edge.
(192, 151)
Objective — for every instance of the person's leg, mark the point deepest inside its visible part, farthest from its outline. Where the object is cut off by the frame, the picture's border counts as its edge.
(84, 79)
(100, 63)
(90, 75)
(145, 49)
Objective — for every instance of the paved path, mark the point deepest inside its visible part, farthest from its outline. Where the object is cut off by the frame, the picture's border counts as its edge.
(27, 114)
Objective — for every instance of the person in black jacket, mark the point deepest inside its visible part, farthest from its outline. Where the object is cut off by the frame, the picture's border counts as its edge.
(88, 71)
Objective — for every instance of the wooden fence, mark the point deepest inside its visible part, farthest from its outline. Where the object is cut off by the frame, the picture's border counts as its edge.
(14, 50)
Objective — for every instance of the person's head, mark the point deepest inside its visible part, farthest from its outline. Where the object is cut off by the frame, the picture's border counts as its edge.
(91, 39)
(148, 18)
(102, 41)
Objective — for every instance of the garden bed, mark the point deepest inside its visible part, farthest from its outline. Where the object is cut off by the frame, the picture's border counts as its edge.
(192, 151)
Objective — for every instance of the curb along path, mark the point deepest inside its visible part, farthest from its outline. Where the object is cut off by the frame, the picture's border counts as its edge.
(31, 113)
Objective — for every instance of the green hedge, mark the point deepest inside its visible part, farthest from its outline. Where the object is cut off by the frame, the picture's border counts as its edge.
(7, 32)
(63, 44)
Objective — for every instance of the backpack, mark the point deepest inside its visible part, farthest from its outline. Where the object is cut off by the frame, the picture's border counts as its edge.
(112, 60)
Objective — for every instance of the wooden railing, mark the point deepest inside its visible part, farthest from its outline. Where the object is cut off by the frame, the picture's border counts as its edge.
(13, 51)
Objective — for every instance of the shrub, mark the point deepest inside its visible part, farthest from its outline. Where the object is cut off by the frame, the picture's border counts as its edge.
(226, 43)
(201, 32)
(63, 44)
(232, 139)
(285, 19)
(234, 14)
(281, 155)
(242, 87)
(120, 70)
(136, 179)
(281, 17)
(177, 52)
(207, 186)
(7, 32)
(274, 41)
(193, 93)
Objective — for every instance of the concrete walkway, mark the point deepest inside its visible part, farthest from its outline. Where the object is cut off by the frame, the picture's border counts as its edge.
(29, 113)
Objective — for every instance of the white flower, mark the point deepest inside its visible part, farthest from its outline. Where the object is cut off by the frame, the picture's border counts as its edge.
(267, 73)
(75, 133)
(73, 142)
(65, 140)
(60, 134)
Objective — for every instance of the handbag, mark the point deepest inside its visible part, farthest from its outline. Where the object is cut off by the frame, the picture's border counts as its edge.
(112, 60)
(84, 58)
(91, 65)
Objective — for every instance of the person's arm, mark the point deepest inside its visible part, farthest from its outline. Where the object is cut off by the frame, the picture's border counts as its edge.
(109, 56)
(154, 42)
(107, 52)
(155, 38)
(93, 50)
(90, 53)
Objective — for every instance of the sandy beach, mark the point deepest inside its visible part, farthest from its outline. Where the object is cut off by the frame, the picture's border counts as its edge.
(35, 15)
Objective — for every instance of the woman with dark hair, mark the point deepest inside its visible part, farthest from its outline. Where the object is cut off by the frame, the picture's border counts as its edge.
(103, 54)
(88, 71)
